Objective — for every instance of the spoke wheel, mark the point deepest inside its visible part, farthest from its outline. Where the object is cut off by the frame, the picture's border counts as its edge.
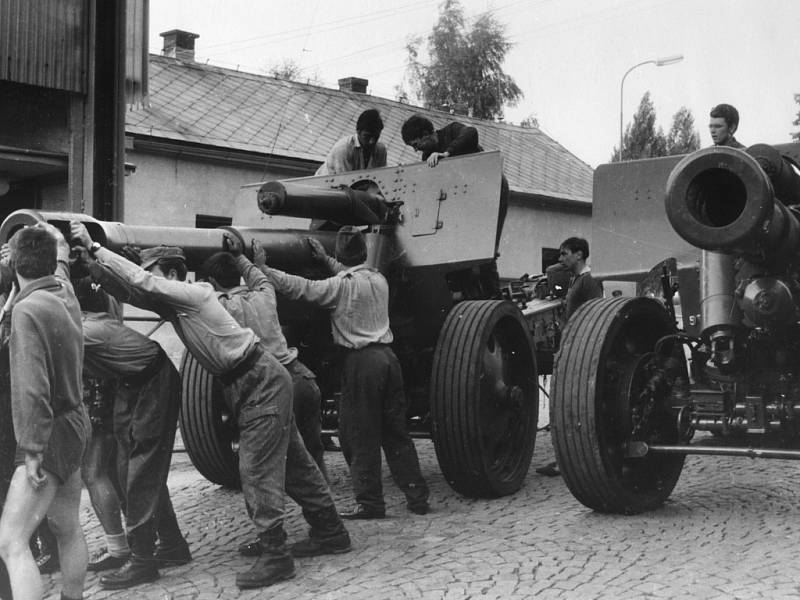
(484, 398)
(208, 428)
(599, 377)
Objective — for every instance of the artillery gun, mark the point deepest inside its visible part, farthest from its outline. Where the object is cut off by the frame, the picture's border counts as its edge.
(468, 351)
(633, 393)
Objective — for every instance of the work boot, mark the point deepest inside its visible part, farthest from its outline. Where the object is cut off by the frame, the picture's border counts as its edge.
(135, 571)
(273, 566)
(252, 548)
(326, 536)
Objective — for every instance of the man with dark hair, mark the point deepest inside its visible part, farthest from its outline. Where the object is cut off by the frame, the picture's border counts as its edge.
(254, 305)
(372, 409)
(723, 124)
(454, 139)
(273, 461)
(145, 418)
(50, 421)
(582, 287)
(359, 151)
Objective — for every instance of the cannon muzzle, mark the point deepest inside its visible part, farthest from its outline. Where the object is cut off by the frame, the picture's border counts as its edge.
(726, 200)
(343, 205)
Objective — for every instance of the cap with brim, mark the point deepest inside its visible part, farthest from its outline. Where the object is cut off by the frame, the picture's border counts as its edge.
(150, 256)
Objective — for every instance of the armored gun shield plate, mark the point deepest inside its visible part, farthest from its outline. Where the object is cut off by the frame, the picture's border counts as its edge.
(448, 214)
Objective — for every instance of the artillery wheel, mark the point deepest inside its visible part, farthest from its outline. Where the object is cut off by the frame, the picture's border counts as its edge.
(208, 428)
(484, 398)
(598, 376)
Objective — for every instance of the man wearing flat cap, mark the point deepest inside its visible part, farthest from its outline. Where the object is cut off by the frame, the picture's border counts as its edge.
(373, 407)
(273, 461)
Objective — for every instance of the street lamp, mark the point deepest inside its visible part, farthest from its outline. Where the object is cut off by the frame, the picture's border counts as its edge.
(659, 62)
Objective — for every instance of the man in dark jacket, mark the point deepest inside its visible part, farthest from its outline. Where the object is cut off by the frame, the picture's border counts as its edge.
(50, 420)
(454, 139)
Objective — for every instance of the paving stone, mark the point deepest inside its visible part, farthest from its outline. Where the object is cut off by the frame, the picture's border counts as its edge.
(538, 543)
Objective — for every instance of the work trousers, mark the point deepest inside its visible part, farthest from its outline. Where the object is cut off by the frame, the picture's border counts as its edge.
(372, 415)
(145, 420)
(273, 460)
(307, 404)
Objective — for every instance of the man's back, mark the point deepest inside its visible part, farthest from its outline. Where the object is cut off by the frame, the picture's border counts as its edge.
(46, 354)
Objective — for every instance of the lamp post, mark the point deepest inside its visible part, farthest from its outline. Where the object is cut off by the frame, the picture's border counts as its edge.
(659, 62)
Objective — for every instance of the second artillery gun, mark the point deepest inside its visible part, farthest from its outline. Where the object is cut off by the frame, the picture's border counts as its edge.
(634, 393)
(469, 353)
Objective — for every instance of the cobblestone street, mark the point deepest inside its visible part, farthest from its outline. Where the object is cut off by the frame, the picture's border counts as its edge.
(730, 530)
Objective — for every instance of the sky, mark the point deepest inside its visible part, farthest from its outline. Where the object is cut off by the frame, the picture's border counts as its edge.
(568, 56)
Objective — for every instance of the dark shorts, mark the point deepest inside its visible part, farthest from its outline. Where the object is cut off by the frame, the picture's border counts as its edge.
(64, 453)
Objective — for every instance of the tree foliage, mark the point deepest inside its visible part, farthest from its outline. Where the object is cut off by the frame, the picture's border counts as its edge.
(290, 70)
(464, 74)
(796, 122)
(642, 140)
(682, 137)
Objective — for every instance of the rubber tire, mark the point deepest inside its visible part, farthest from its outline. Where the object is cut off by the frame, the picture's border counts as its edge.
(476, 461)
(588, 429)
(208, 431)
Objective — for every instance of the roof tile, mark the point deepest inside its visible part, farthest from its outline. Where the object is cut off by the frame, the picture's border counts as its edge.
(221, 107)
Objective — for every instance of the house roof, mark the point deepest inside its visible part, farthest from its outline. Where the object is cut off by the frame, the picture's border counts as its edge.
(210, 105)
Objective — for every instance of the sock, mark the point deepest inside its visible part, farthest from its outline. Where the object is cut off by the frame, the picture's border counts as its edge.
(118, 545)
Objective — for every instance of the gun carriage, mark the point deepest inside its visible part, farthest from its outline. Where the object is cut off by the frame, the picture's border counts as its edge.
(468, 350)
(633, 393)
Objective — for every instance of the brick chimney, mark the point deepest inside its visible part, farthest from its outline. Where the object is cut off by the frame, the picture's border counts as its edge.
(353, 84)
(179, 44)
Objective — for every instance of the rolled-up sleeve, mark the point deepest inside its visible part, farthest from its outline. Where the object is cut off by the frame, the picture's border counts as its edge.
(322, 292)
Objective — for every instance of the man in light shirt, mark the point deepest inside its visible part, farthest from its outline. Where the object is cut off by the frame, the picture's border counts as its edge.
(372, 409)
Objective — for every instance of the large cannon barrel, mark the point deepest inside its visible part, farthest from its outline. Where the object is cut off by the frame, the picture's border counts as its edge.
(343, 205)
(726, 200)
(286, 249)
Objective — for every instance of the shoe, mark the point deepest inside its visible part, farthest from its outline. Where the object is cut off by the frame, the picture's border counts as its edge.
(172, 556)
(270, 568)
(48, 563)
(314, 546)
(550, 470)
(361, 512)
(135, 571)
(250, 548)
(420, 509)
(103, 560)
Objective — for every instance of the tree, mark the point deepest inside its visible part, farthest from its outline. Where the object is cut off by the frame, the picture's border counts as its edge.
(290, 70)
(796, 134)
(641, 140)
(464, 74)
(683, 137)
